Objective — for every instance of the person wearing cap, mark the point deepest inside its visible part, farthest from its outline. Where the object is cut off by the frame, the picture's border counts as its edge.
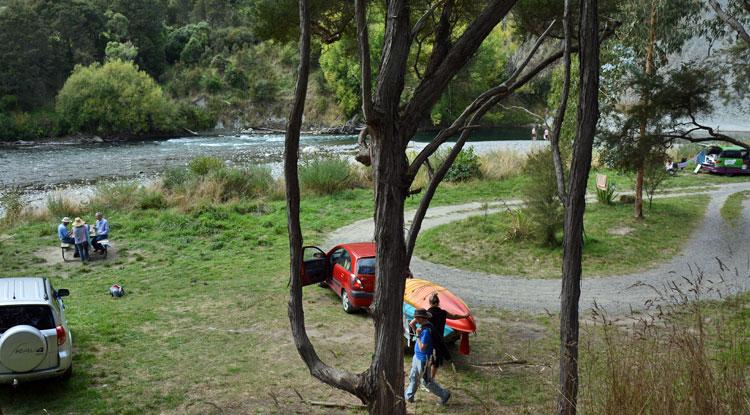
(102, 232)
(63, 233)
(422, 353)
(81, 237)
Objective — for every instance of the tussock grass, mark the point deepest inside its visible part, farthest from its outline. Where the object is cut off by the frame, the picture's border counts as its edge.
(682, 356)
(326, 176)
(502, 164)
(58, 206)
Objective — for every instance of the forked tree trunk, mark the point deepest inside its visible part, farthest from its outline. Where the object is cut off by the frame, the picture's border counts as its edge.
(588, 115)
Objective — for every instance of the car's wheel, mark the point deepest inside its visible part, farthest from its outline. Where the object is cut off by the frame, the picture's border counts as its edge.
(22, 348)
(348, 307)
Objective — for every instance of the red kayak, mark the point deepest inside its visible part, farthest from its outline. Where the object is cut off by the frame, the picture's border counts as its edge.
(417, 295)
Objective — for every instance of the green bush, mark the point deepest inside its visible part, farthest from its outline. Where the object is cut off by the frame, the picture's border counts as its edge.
(115, 98)
(466, 167)
(250, 182)
(114, 196)
(150, 199)
(175, 178)
(543, 206)
(325, 176)
(204, 165)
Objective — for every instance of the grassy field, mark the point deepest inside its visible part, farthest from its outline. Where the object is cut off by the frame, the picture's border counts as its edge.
(616, 243)
(203, 328)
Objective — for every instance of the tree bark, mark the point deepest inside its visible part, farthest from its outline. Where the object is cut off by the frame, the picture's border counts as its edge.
(340, 379)
(588, 115)
(638, 206)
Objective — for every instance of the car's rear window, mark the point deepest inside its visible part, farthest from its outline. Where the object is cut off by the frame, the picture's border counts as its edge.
(366, 266)
(731, 154)
(39, 316)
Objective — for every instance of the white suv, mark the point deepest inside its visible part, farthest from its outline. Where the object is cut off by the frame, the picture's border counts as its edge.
(35, 342)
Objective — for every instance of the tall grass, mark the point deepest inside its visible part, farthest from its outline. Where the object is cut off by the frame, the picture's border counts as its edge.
(501, 164)
(59, 205)
(684, 356)
(326, 176)
(12, 203)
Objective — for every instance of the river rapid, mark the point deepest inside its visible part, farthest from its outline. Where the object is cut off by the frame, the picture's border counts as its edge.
(74, 169)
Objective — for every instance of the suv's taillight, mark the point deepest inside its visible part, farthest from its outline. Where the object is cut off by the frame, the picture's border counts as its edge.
(61, 335)
(357, 284)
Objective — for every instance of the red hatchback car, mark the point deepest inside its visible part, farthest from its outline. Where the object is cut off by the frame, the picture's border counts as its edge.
(347, 269)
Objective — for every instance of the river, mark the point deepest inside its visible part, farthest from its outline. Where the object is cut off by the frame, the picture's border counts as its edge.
(44, 169)
(49, 165)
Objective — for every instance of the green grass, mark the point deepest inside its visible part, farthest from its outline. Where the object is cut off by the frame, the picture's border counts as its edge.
(732, 209)
(204, 318)
(478, 243)
(204, 321)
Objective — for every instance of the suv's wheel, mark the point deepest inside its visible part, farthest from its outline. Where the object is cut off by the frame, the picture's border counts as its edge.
(348, 307)
(22, 348)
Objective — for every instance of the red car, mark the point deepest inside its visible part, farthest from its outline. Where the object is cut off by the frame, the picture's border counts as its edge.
(347, 269)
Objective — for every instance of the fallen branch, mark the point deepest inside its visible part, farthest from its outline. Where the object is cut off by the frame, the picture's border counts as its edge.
(501, 363)
(336, 405)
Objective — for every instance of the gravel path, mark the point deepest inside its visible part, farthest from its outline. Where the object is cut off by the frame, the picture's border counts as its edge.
(717, 251)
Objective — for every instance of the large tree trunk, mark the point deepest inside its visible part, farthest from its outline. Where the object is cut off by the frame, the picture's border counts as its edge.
(588, 115)
(388, 362)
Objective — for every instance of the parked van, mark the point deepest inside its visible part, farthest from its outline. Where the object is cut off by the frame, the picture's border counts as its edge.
(729, 160)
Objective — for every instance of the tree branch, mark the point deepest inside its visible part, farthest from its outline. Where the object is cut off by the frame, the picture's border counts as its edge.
(730, 21)
(457, 124)
(560, 116)
(365, 68)
(423, 20)
(344, 380)
(441, 71)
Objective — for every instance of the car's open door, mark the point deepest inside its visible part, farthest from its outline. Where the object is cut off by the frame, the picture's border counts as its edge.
(314, 265)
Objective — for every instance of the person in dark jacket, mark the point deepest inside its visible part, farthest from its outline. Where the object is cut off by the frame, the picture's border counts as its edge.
(438, 326)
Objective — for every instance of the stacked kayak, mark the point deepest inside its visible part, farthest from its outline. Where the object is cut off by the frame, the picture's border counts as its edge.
(417, 295)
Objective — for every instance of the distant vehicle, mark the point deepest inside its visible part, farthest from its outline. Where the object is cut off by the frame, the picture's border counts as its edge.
(35, 341)
(728, 160)
(347, 269)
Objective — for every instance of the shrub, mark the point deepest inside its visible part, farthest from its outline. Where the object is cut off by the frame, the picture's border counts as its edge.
(654, 174)
(115, 98)
(175, 178)
(236, 183)
(521, 227)
(204, 165)
(465, 167)
(325, 176)
(543, 206)
(150, 199)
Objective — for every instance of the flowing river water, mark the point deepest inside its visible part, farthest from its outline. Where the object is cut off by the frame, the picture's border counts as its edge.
(45, 168)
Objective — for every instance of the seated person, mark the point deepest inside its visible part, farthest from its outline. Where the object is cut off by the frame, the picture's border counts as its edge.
(102, 232)
(63, 233)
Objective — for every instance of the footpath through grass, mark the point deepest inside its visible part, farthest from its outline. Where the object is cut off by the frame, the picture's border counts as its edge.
(616, 243)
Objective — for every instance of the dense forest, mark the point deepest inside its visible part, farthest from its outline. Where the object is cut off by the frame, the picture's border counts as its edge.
(127, 68)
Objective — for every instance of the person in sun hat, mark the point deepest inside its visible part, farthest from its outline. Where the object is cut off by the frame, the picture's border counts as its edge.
(63, 233)
(81, 237)
(419, 364)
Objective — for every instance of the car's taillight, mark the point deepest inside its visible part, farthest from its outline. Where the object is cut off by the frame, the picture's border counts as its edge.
(61, 335)
(357, 284)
